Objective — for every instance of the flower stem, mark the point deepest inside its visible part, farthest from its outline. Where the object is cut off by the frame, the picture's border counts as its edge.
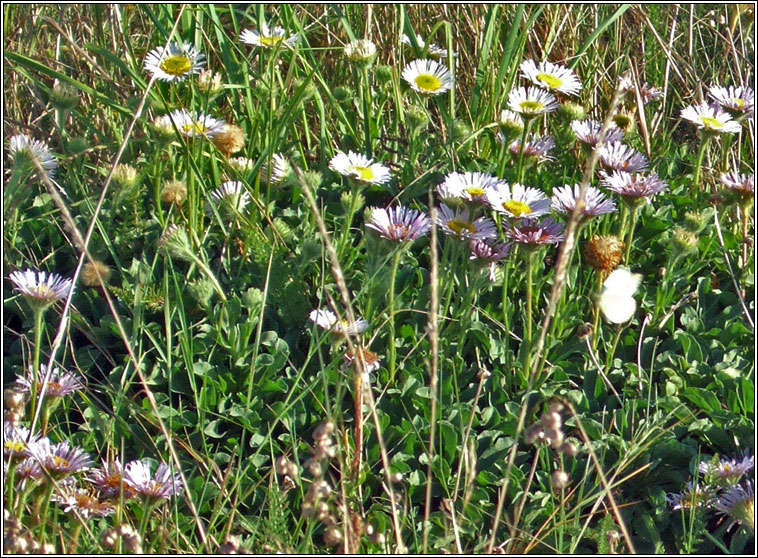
(367, 113)
(354, 190)
(393, 274)
(528, 323)
(38, 325)
(698, 165)
(630, 236)
(522, 146)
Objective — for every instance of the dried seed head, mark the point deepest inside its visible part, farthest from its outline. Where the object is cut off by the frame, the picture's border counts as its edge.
(281, 465)
(174, 192)
(209, 82)
(292, 470)
(603, 253)
(560, 480)
(14, 401)
(229, 140)
(551, 419)
(333, 536)
(90, 272)
(533, 434)
(567, 448)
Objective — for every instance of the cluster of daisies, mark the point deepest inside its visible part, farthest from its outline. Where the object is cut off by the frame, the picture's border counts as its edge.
(722, 490)
(32, 460)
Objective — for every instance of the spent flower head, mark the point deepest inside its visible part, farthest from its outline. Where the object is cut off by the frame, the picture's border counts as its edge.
(742, 186)
(276, 170)
(435, 51)
(231, 197)
(175, 62)
(551, 76)
(25, 150)
(536, 148)
(83, 501)
(427, 77)
(361, 52)
(693, 496)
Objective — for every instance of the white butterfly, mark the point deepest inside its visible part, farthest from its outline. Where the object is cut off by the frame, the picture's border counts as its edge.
(616, 300)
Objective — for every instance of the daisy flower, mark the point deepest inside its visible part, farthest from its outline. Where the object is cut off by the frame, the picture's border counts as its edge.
(109, 481)
(739, 503)
(619, 157)
(466, 186)
(59, 460)
(711, 119)
(743, 185)
(633, 187)
(232, 195)
(486, 254)
(692, 496)
(588, 132)
(564, 200)
(531, 102)
(400, 224)
(24, 150)
(728, 471)
(737, 101)
(518, 201)
(174, 62)
(268, 38)
(534, 233)
(460, 224)
(162, 485)
(435, 51)
(537, 147)
(360, 168)
(551, 77)
(427, 77)
(59, 383)
(15, 441)
(40, 289)
(82, 501)
(193, 125)
(326, 319)
(647, 92)
(275, 170)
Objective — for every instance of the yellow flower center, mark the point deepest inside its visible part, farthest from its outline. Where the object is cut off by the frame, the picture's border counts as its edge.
(361, 173)
(459, 225)
(428, 83)
(711, 123)
(549, 80)
(60, 462)
(739, 102)
(531, 106)
(176, 65)
(196, 128)
(15, 447)
(397, 231)
(517, 208)
(271, 41)
(474, 192)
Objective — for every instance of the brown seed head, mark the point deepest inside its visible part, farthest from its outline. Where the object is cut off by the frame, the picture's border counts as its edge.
(230, 139)
(174, 191)
(90, 272)
(603, 253)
